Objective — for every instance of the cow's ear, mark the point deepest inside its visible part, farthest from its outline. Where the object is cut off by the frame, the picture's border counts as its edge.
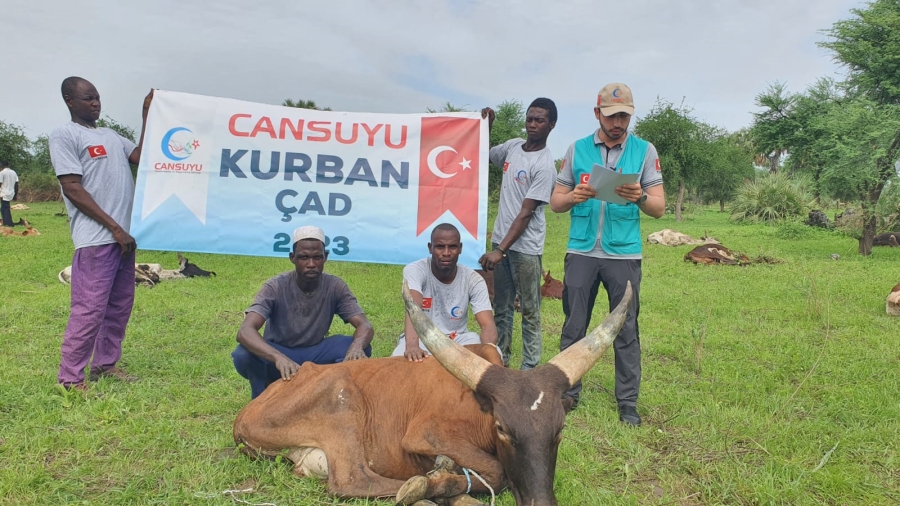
(484, 402)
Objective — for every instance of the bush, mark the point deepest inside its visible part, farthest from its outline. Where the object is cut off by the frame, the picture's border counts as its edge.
(793, 229)
(36, 187)
(770, 198)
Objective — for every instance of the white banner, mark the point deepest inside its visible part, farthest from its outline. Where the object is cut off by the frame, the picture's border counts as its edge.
(224, 176)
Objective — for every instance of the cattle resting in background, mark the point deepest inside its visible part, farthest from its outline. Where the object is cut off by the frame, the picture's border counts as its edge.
(887, 239)
(668, 237)
(19, 207)
(818, 219)
(28, 232)
(151, 274)
(892, 305)
(190, 270)
(552, 288)
(376, 427)
(715, 254)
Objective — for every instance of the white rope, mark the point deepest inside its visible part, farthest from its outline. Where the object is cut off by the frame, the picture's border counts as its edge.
(485, 484)
(231, 493)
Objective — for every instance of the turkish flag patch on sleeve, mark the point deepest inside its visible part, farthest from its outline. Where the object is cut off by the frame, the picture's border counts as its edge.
(657, 165)
(96, 151)
(426, 303)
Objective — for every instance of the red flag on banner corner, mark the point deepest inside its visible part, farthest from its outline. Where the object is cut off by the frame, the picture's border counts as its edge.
(448, 171)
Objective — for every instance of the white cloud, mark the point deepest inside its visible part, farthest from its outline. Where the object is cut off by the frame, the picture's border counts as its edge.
(406, 55)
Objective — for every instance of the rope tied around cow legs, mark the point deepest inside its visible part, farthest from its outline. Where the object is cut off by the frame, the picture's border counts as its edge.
(467, 471)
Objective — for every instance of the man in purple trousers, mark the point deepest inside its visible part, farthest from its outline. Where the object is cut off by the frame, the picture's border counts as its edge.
(91, 164)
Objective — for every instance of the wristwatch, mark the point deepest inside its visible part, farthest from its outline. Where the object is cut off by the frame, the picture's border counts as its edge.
(643, 198)
(501, 250)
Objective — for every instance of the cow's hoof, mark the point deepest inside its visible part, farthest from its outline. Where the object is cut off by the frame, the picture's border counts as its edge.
(424, 502)
(464, 500)
(413, 490)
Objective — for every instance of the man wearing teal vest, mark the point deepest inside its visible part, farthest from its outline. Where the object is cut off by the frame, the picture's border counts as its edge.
(605, 238)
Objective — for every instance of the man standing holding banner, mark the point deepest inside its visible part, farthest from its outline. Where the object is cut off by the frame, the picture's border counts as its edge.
(605, 238)
(91, 164)
(520, 229)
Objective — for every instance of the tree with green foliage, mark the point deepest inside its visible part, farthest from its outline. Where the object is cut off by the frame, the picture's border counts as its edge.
(682, 142)
(15, 147)
(729, 165)
(774, 125)
(868, 46)
(303, 104)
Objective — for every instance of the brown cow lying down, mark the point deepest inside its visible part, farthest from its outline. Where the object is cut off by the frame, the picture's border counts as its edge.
(19, 207)
(888, 239)
(376, 427)
(552, 288)
(715, 254)
(29, 230)
(668, 237)
(892, 305)
(151, 274)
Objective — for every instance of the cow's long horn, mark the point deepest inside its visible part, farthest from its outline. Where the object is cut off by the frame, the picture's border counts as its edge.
(578, 359)
(466, 366)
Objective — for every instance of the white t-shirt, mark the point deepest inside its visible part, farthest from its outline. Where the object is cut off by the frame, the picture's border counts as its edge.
(8, 180)
(448, 305)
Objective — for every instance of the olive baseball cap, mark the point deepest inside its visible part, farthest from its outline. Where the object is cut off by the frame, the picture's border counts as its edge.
(615, 98)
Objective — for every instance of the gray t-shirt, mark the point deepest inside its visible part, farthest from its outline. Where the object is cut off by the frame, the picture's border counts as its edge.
(526, 175)
(650, 176)
(100, 156)
(448, 305)
(295, 319)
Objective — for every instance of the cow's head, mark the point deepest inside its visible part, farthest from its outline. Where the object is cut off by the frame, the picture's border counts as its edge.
(527, 406)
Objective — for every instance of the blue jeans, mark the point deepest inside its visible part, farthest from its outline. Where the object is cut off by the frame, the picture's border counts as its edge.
(519, 273)
(262, 373)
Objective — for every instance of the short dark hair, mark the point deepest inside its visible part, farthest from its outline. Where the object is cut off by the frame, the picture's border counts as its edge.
(4, 163)
(445, 227)
(547, 105)
(69, 84)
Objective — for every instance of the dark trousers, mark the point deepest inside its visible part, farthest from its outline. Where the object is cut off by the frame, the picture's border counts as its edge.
(584, 275)
(5, 213)
(262, 373)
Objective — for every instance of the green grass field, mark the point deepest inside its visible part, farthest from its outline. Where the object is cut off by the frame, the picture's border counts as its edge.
(768, 384)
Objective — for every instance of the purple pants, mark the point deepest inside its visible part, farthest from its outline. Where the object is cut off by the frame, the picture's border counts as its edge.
(102, 298)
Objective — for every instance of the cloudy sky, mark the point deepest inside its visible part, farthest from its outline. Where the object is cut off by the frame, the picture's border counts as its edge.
(406, 55)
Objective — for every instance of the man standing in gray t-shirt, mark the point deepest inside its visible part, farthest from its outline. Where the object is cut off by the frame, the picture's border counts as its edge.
(605, 237)
(520, 229)
(92, 165)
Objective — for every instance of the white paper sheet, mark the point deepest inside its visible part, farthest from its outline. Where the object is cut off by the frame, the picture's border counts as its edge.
(605, 182)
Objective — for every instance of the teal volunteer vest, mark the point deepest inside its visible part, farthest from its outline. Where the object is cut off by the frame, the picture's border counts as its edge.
(621, 223)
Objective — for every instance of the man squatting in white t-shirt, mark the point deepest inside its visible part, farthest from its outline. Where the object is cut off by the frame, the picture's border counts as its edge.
(445, 290)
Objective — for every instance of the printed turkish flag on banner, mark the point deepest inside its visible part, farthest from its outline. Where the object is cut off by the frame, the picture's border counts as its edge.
(448, 171)
(96, 151)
